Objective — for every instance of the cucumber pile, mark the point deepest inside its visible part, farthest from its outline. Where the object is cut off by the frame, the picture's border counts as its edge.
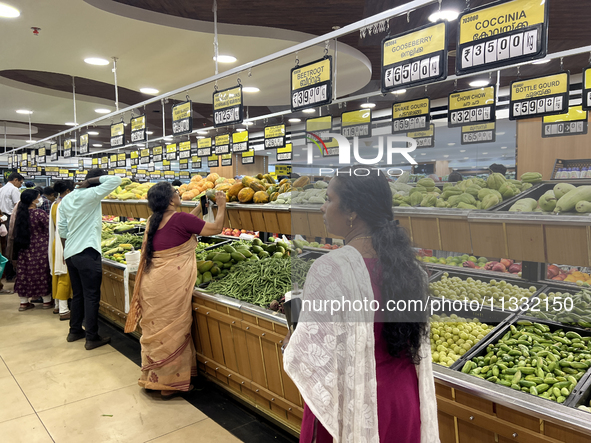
(531, 358)
(217, 263)
(550, 307)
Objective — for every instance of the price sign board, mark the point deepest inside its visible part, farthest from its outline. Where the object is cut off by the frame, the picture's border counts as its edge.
(311, 84)
(138, 129)
(184, 175)
(356, 123)
(316, 130)
(104, 162)
(144, 156)
(284, 154)
(226, 159)
(95, 163)
(415, 58)
(425, 139)
(587, 88)
(574, 122)
(509, 32)
(213, 161)
(539, 96)
(204, 147)
(67, 148)
(412, 115)
(274, 137)
(182, 118)
(157, 154)
(240, 141)
(121, 160)
(222, 144)
(471, 106)
(480, 133)
(141, 174)
(185, 150)
(63, 173)
(81, 165)
(134, 157)
(227, 107)
(169, 175)
(120, 172)
(117, 135)
(195, 162)
(52, 171)
(184, 163)
(23, 161)
(53, 152)
(41, 155)
(247, 157)
(155, 175)
(166, 165)
(84, 144)
(171, 152)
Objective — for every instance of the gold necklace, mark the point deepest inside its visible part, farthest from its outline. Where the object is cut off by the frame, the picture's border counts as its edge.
(356, 238)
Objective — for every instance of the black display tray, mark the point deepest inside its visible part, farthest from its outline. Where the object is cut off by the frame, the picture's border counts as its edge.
(582, 395)
(215, 242)
(480, 350)
(535, 192)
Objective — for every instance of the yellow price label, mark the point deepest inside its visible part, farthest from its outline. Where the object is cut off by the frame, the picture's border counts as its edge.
(506, 17)
(248, 153)
(362, 116)
(134, 154)
(419, 134)
(171, 148)
(114, 157)
(120, 171)
(575, 113)
(418, 43)
(213, 157)
(117, 129)
(540, 87)
(222, 140)
(121, 157)
(204, 143)
(185, 146)
(138, 123)
(226, 156)
(287, 148)
(309, 75)
(319, 124)
(477, 128)
(472, 98)
(157, 150)
(181, 111)
(240, 137)
(145, 153)
(274, 131)
(412, 108)
(84, 139)
(67, 145)
(227, 99)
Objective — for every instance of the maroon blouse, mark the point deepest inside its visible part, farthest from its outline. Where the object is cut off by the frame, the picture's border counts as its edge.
(179, 228)
(399, 417)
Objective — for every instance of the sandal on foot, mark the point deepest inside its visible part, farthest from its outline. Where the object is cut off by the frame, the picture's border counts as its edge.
(26, 306)
(47, 305)
(175, 393)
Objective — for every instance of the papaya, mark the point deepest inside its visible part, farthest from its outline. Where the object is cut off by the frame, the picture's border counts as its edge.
(212, 177)
(260, 176)
(301, 182)
(247, 180)
(270, 178)
(260, 197)
(257, 186)
(223, 187)
(245, 195)
(235, 189)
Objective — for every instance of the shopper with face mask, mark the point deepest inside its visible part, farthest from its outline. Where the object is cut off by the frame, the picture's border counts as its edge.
(31, 238)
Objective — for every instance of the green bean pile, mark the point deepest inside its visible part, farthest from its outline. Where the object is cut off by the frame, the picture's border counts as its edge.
(262, 281)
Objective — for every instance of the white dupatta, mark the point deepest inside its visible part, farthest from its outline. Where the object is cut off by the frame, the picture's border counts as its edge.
(57, 267)
(331, 356)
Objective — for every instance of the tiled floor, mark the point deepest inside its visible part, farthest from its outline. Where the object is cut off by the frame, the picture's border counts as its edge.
(55, 391)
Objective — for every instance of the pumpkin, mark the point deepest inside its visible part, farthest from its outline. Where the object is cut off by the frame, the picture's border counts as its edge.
(284, 181)
(233, 198)
(223, 187)
(220, 180)
(196, 178)
(301, 182)
(207, 185)
(235, 189)
(274, 196)
(284, 188)
(183, 188)
(259, 176)
(247, 180)
(230, 180)
(257, 186)
(245, 195)
(212, 177)
(261, 197)
(270, 178)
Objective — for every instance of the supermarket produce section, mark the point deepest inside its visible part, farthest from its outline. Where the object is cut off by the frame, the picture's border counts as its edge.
(511, 357)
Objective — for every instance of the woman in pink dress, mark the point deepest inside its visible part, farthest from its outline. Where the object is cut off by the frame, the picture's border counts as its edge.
(365, 374)
(31, 240)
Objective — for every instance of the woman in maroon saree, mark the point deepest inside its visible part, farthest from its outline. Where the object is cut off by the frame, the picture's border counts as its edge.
(31, 239)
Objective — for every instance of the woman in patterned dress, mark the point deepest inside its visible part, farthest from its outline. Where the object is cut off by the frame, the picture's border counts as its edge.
(31, 239)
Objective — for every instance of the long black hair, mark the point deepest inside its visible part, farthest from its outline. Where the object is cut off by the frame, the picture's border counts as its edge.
(62, 186)
(159, 197)
(22, 223)
(402, 277)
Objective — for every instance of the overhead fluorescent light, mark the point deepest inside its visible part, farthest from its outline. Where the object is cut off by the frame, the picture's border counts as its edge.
(30, 141)
(200, 136)
(96, 61)
(102, 111)
(225, 59)
(202, 132)
(309, 111)
(503, 147)
(149, 132)
(7, 11)
(149, 91)
(247, 123)
(23, 111)
(446, 14)
(71, 124)
(295, 120)
(451, 144)
(462, 150)
(237, 130)
(97, 145)
(399, 92)
(368, 105)
(92, 133)
(479, 83)
(250, 89)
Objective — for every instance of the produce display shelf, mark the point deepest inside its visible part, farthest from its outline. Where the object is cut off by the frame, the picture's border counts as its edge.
(582, 396)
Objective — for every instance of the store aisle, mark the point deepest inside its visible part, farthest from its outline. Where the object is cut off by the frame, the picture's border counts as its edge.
(55, 391)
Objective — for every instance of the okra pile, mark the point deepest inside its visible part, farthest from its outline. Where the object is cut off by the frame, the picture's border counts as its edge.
(531, 358)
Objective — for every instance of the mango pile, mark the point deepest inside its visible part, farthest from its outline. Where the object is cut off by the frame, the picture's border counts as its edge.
(473, 193)
(532, 358)
(130, 191)
(563, 198)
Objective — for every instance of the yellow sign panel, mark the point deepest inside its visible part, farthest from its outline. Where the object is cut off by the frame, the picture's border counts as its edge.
(248, 153)
(319, 124)
(240, 137)
(84, 139)
(502, 18)
(540, 87)
(362, 116)
(121, 157)
(64, 171)
(226, 156)
(52, 169)
(183, 161)
(134, 154)
(41, 152)
(419, 43)
(165, 162)
(138, 123)
(181, 112)
(472, 98)
(120, 171)
(155, 174)
(185, 146)
(587, 75)
(476, 128)
(95, 161)
(204, 143)
(213, 157)
(287, 148)
(145, 152)
(412, 108)
(157, 150)
(419, 134)
(53, 149)
(114, 157)
(68, 144)
(575, 113)
(105, 160)
(227, 99)
(274, 131)
(222, 140)
(171, 148)
(318, 72)
(117, 129)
